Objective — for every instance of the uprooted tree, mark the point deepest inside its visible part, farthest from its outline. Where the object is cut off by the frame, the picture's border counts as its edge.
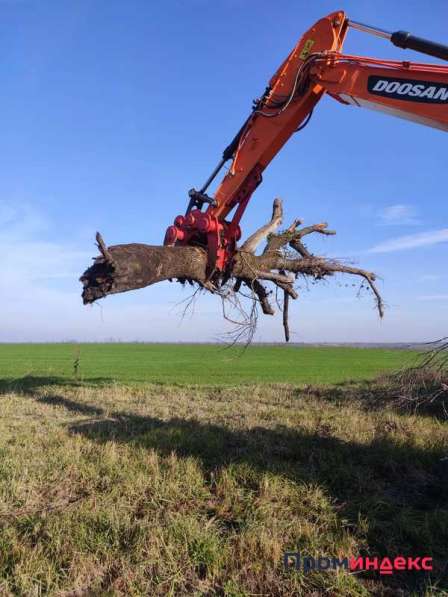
(285, 257)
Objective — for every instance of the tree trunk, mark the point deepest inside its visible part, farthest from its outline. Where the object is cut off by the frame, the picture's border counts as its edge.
(128, 267)
(121, 268)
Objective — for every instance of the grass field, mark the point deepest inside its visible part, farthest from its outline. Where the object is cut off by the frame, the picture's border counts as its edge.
(164, 489)
(198, 364)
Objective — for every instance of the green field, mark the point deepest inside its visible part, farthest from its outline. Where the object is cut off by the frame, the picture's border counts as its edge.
(198, 364)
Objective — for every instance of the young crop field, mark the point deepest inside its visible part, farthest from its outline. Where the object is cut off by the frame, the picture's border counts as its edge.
(187, 483)
(197, 364)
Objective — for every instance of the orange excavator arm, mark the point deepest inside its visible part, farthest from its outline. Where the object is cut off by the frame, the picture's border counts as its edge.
(314, 67)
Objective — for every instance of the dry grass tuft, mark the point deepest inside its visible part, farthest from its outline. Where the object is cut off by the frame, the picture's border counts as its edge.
(423, 389)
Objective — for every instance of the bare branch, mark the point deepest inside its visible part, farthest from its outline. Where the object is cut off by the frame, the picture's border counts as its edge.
(237, 285)
(103, 249)
(274, 277)
(289, 289)
(277, 241)
(251, 244)
(370, 278)
(320, 228)
(319, 268)
(298, 246)
(262, 295)
(292, 237)
(286, 315)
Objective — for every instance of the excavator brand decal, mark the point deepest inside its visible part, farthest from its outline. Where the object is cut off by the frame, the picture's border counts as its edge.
(411, 90)
(306, 49)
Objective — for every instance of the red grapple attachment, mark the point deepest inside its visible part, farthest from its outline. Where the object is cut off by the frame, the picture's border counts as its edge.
(202, 229)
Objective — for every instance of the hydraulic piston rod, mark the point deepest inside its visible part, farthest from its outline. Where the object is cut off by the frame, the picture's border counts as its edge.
(403, 39)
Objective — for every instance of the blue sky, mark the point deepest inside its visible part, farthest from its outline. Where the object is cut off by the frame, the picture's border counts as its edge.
(112, 110)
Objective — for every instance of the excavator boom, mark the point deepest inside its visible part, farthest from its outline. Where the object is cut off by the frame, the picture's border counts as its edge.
(315, 66)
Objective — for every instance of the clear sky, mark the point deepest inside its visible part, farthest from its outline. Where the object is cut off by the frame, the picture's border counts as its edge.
(111, 110)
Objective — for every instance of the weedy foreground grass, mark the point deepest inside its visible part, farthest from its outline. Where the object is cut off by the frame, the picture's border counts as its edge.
(159, 490)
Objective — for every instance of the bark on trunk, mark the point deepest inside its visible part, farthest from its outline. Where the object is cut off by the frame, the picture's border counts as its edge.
(133, 266)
